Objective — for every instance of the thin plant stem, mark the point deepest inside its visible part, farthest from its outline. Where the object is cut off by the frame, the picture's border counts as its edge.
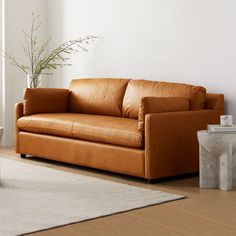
(38, 57)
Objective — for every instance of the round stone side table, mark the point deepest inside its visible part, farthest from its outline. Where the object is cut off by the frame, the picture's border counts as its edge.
(217, 160)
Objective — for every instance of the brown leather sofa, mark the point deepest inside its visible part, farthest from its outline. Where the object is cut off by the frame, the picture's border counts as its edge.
(134, 127)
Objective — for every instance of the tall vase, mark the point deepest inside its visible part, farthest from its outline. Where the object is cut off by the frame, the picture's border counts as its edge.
(34, 82)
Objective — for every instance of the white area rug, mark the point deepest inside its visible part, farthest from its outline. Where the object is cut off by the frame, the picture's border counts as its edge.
(34, 198)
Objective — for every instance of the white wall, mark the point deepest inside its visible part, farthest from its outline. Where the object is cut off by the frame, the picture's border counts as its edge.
(171, 40)
(17, 18)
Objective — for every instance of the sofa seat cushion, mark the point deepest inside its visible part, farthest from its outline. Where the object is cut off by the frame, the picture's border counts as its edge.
(103, 129)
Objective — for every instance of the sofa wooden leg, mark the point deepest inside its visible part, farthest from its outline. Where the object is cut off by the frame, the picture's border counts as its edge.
(151, 181)
(22, 155)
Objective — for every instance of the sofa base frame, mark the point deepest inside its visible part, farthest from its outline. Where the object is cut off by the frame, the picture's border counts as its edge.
(107, 157)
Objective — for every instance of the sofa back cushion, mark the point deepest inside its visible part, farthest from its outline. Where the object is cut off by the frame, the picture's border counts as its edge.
(97, 96)
(150, 105)
(45, 100)
(137, 89)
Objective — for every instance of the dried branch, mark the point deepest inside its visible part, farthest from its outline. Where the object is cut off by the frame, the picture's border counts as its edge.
(40, 61)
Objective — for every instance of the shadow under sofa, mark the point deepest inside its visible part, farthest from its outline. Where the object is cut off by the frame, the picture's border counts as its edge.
(140, 128)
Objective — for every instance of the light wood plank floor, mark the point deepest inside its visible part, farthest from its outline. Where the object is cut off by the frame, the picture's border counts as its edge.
(203, 212)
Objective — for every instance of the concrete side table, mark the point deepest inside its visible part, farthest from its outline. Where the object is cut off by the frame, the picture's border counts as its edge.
(217, 160)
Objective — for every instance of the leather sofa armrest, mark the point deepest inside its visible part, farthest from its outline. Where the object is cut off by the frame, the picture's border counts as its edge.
(150, 105)
(45, 100)
(19, 110)
(171, 145)
(18, 115)
(215, 101)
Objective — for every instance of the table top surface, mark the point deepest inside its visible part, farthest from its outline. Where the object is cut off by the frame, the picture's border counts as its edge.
(205, 132)
(215, 138)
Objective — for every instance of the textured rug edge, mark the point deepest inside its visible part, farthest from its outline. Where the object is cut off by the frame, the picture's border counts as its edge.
(181, 197)
(175, 198)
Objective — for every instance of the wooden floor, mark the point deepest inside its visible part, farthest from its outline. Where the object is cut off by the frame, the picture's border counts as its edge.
(203, 212)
